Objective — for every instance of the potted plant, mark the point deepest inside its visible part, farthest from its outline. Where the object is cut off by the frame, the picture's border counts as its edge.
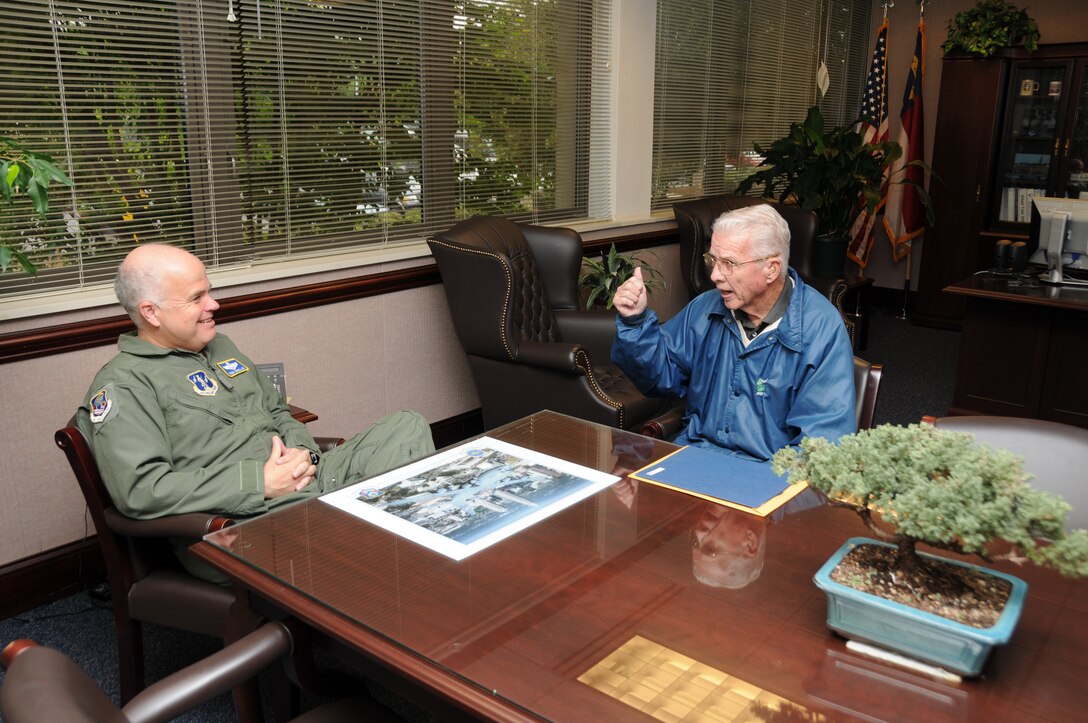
(24, 172)
(990, 26)
(832, 172)
(601, 277)
(921, 484)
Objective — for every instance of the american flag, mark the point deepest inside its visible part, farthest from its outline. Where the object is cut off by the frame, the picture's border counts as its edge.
(905, 217)
(874, 128)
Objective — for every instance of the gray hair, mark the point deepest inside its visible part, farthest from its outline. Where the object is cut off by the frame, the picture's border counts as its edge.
(136, 283)
(767, 232)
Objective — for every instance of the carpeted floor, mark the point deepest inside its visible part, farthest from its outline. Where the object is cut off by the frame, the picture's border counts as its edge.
(919, 372)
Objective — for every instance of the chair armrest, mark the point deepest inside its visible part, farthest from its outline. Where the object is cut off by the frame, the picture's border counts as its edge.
(594, 329)
(192, 525)
(666, 425)
(205, 679)
(558, 356)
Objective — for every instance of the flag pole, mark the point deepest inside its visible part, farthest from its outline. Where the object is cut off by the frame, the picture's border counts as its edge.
(906, 283)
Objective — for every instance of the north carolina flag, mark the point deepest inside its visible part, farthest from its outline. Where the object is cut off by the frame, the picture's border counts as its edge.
(905, 216)
(873, 128)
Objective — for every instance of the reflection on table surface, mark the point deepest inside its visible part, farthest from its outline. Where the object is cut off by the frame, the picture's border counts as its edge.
(641, 601)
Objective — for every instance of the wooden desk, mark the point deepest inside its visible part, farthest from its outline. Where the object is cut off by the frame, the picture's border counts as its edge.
(1024, 350)
(518, 630)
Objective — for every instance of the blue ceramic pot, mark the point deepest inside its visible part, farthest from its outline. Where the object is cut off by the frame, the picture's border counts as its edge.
(924, 636)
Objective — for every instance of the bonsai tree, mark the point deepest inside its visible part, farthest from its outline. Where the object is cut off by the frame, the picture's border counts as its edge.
(24, 172)
(601, 277)
(990, 26)
(828, 171)
(938, 487)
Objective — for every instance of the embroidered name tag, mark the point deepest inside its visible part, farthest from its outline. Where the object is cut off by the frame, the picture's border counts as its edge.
(232, 367)
(203, 385)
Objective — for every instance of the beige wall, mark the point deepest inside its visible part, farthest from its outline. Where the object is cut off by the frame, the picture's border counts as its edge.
(1060, 21)
(349, 362)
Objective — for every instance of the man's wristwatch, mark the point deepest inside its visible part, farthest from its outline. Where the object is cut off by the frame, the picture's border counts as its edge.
(314, 458)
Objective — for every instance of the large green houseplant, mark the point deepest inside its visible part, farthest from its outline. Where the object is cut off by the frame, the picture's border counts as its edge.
(921, 484)
(831, 171)
(24, 173)
(990, 26)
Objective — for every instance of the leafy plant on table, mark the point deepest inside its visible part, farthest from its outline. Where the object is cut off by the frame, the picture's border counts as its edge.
(938, 487)
(25, 173)
(602, 277)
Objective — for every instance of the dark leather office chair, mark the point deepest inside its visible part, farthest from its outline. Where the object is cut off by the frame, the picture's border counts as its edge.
(694, 224)
(42, 684)
(866, 388)
(513, 294)
(147, 583)
(1055, 454)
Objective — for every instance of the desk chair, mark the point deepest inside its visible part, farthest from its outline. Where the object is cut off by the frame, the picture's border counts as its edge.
(513, 294)
(43, 684)
(866, 387)
(694, 224)
(147, 583)
(1056, 454)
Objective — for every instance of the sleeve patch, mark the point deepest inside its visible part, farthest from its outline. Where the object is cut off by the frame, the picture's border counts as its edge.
(102, 405)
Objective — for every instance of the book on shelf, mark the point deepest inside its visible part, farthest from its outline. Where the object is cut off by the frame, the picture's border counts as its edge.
(723, 478)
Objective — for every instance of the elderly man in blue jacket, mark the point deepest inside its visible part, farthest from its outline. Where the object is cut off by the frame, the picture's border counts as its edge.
(762, 360)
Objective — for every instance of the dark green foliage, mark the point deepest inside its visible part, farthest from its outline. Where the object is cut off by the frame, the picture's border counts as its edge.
(603, 276)
(828, 171)
(990, 26)
(29, 173)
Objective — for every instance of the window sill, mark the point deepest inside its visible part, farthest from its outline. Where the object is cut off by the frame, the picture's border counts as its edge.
(64, 322)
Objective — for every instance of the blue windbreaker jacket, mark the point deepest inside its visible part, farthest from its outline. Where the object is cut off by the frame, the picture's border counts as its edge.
(793, 381)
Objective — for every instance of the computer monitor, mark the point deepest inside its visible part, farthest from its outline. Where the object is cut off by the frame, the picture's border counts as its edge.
(1059, 231)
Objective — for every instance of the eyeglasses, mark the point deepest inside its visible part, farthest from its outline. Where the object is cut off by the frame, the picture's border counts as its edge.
(727, 266)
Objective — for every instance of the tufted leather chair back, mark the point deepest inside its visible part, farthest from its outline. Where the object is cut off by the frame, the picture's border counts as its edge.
(499, 278)
(513, 295)
(695, 219)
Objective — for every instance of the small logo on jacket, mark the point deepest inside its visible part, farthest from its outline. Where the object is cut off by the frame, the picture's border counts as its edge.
(761, 387)
(233, 367)
(100, 406)
(203, 385)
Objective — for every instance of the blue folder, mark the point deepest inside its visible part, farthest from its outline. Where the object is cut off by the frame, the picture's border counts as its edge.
(723, 478)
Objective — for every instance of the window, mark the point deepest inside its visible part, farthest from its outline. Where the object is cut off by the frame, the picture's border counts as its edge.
(730, 74)
(254, 130)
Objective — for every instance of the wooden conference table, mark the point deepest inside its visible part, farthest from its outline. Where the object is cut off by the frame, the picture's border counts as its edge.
(596, 614)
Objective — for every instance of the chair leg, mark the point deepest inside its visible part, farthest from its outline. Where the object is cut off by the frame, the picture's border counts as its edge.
(130, 657)
(247, 696)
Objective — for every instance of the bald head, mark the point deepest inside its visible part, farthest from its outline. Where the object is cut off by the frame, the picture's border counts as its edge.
(141, 276)
(166, 292)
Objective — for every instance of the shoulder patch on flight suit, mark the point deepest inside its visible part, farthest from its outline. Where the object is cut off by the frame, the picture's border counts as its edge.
(101, 404)
(203, 385)
(232, 367)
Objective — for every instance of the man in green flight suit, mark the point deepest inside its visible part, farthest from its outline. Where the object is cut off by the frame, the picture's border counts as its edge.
(181, 421)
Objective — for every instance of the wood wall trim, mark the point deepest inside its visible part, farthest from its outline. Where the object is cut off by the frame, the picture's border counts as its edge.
(61, 338)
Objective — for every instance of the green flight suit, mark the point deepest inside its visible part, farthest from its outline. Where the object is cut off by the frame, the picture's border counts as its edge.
(176, 431)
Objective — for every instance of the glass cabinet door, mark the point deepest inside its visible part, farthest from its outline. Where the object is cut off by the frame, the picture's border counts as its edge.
(1033, 137)
(1072, 180)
